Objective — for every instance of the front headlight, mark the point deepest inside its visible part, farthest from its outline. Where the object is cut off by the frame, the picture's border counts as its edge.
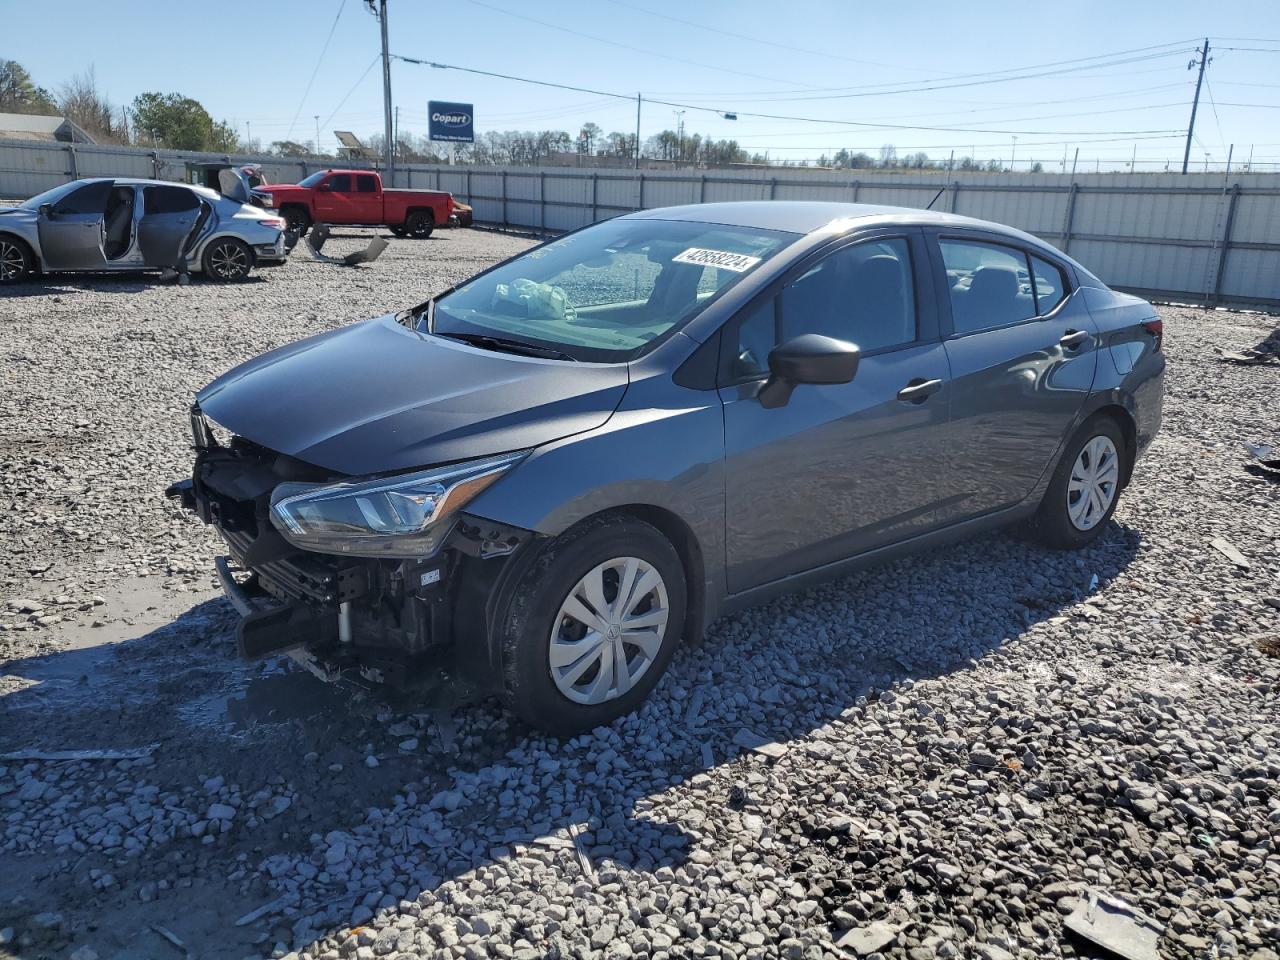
(403, 516)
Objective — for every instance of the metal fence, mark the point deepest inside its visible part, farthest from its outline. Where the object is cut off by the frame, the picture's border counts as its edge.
(1205, 237)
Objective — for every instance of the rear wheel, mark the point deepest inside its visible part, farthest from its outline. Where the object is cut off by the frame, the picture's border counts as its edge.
(1085, 487)
(296, 220)
(420, 224)
(16, 261)
(592, 625)
(227, 259)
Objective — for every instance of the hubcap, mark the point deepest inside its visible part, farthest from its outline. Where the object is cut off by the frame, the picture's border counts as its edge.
(1092, 487)
(228, 260)
(11, 261)
(609, 630)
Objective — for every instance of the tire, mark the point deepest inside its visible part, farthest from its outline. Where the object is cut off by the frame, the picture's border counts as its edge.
(1066, 520)
(227, 258)
(16, 261)
(534, 621)
(296, 220)
(420, 224)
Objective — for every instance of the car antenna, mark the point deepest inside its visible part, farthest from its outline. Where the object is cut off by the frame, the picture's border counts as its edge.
(935, 198)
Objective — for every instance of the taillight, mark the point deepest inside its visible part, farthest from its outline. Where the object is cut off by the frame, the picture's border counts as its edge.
(1156, 329)
(277, 222)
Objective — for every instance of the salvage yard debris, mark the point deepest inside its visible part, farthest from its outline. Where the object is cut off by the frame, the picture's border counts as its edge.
(1114, 925)
(753, 741)
(55, 756)
(1228, 550)
(315, 240)
(1268, 463)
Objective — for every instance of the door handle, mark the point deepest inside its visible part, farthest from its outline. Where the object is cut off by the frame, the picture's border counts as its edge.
(919, 390)
(1073, 339)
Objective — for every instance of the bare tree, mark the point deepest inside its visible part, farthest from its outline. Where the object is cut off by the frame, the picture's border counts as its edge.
(85, 105)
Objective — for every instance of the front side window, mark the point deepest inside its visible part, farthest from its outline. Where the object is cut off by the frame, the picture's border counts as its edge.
(91, 198)
(340, 183)
(608, 292)
(365, 184)
(864, 294)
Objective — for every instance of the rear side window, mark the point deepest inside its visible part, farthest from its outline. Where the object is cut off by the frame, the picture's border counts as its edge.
(365, 184)
(168, 200)
(990, 285)
(341, 183)
(1050, 284)
(91, 198)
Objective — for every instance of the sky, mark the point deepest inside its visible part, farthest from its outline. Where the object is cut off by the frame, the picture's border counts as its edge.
(1110, 78)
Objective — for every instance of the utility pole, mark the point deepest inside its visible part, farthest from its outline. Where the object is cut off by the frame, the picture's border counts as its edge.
(248, 136)
(1074, 161)
(1191, 127)
(317, 116)
(1013, 154)
(388, 155)
(396, 141)
(637, 131)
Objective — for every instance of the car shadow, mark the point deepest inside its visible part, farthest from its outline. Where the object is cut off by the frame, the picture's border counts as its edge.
(46, 284)
(455, 783)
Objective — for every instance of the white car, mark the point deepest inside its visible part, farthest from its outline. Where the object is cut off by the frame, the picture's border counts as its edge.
(107, 224)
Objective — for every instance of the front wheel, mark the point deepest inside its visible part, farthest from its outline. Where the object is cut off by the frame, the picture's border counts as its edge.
(1085, 488)
(16, 262)
(296, 220)
(592, 625)
(420, 225)
(227, 259)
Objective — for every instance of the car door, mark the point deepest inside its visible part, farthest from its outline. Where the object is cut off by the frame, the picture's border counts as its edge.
(1022, 350)
(839, 469)
(71, 231)
(366, 201)
(334, 199)
(169, 214)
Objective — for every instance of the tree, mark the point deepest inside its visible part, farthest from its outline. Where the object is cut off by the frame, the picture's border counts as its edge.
(180, 123)
(19, 94)
(888, 155)
(84, 105)
(621, 144)
(290, 148)
(589, 137)
(917, 161)
(1037, 167)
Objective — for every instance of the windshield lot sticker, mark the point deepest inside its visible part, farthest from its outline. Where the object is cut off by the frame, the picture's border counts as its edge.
(721, 259)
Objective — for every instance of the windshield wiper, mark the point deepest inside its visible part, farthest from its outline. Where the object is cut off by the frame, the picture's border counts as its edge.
(506, 345)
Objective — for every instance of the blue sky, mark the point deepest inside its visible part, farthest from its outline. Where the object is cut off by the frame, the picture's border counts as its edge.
(831, 63)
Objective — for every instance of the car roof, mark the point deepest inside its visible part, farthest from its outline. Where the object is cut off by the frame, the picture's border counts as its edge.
(140, 182)
(809, 216)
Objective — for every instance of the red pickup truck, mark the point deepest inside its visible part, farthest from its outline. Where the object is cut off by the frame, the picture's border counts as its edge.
(357, 197)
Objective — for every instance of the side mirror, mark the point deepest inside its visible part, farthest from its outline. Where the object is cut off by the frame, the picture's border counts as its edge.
(46, 211)
(809, 358)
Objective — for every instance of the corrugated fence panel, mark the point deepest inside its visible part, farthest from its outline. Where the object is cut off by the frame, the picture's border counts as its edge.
(1156, 233)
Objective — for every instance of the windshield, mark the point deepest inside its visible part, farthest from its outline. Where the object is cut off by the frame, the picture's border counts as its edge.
(312, 180)
(50, 196)
(608, 292)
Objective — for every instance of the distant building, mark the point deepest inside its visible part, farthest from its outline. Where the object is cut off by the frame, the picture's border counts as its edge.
(23, 126)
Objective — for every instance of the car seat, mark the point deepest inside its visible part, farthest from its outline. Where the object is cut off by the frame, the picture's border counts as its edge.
(118, 224)
(881, 317)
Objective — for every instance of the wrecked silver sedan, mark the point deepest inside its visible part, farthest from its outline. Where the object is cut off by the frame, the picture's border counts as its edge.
(125, 224)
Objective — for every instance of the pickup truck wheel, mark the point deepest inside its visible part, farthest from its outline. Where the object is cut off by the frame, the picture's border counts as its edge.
(592, 624)
(400, 231)
(420, 224)
(16, 262)
(227, 259)
(296, 220)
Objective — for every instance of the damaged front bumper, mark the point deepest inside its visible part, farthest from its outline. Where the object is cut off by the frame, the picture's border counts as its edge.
(387, 620)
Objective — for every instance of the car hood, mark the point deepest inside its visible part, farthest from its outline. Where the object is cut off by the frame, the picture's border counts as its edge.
(377, 397)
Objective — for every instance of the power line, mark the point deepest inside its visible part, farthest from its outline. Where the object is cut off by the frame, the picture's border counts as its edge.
(771, 43)
(763, 116)
(315, 70)
(626, 46)
(348, 94)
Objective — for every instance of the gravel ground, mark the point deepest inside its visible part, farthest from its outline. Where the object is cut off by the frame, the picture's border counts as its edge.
(966, 743)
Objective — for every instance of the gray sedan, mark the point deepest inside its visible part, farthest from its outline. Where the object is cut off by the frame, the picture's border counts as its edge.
(547, 477)
(123, 224)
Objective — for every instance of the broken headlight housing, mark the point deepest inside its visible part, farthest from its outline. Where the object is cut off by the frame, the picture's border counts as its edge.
(405, 516)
